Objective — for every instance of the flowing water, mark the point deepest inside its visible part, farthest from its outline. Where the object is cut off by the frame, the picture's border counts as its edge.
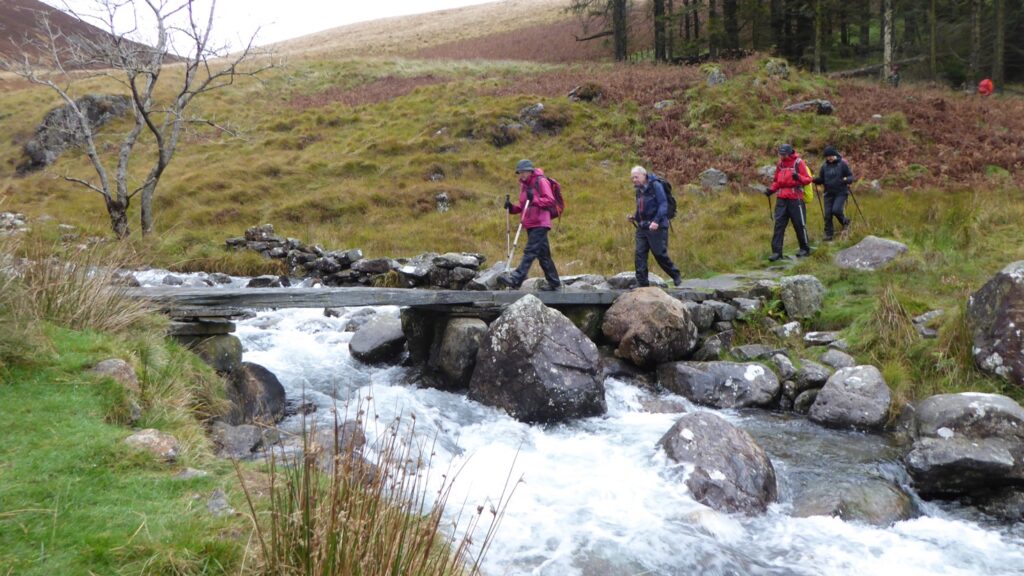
(598, 498)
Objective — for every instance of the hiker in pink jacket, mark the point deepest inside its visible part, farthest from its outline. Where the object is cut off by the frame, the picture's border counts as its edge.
(536, 201)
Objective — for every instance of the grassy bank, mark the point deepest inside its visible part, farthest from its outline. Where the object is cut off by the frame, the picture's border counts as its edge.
(75, 500)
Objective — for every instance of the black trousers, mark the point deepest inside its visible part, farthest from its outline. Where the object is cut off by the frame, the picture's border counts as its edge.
(787, 211)
(537, 248)
(834, 204)
(655, 242)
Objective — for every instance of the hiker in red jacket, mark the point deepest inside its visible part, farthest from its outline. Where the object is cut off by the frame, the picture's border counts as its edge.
(985, 87)
(536, 200)
(791, 175)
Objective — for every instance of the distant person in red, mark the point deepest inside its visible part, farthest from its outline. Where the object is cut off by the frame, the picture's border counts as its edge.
(985, 87)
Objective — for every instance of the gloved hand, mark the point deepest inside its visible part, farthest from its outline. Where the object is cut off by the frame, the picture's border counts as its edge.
(529, 195)
(508, 205)
(767, 192)
(796, 177)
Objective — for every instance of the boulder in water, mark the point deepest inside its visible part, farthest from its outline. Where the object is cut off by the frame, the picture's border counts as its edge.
(855, 397)
(537, 366)
(731, 473)
(967, 443)
(379, 340)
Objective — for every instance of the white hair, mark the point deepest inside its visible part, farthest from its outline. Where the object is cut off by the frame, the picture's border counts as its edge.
(638, 170)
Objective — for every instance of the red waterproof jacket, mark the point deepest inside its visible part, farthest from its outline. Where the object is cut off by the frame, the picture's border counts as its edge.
(784, 184)
(537, 215)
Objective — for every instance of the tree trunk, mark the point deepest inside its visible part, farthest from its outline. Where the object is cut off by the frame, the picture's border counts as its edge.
(933, 43)
(999, 50)
(730, 9)
(619, 23)
(118, 212)
(974, 66)
(864, 42)
(713, 28)
(887, 38)
(844, 24)
(778, 25)
(818, 33)
(696, 19)
(660, 54)
(670, 28)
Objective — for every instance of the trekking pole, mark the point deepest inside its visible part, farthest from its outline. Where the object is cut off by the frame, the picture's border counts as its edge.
(859, 211)
(518, 230)
(508, 228)
(771, 216)
(821, 205)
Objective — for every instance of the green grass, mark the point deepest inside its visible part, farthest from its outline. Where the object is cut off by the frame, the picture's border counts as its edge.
(75, 500)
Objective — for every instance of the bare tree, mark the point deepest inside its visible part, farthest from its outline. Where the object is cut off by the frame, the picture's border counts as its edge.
(200, 67)
(613, 12)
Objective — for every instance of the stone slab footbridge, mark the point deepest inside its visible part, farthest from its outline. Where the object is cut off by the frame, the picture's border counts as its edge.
(212, 311)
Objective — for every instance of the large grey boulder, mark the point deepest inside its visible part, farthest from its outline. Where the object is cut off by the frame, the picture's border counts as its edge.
(650, 327)
(995, 314)
(855, 397)
(457, 353)
(721, 384)
(966, 443)
(537, 366)
(802, 295)
(627, 281)
(379, 340)
(731, 473)
(256, 395)
(869, 254)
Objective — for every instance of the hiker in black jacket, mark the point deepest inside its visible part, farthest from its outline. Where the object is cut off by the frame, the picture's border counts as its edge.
(836, 175)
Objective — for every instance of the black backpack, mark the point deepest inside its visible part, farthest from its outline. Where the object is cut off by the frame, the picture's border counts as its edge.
(667, 186)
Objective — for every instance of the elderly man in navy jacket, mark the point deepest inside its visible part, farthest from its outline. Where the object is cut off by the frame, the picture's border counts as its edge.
(651, 221)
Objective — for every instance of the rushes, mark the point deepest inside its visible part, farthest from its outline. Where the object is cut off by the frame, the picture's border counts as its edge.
(341, 511)
(82, 291)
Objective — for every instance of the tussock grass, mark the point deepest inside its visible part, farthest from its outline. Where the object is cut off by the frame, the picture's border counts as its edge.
(78, 290)
(334, 510)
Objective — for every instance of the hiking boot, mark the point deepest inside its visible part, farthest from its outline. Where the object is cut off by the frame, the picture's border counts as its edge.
(545, 287)
(506, 280)
(827, 239)
(803, 253)
(775, 257)
(677, 281)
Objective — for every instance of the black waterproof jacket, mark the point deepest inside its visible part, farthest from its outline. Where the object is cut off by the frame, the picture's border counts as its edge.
(836, 176)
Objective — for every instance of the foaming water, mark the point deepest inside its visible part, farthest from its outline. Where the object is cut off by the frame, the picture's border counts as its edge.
(596, 496)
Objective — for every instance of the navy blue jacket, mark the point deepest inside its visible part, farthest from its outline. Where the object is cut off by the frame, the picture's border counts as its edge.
(651, 204)
(836, 176)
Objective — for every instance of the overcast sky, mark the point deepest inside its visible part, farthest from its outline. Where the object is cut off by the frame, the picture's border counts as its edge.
(283, 19)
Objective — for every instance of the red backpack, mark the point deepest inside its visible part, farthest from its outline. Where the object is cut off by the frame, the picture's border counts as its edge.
(556, 191)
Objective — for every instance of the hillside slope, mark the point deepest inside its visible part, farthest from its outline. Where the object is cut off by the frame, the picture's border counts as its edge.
(404, 35)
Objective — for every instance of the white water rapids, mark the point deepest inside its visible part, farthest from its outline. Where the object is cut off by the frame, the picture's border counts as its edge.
(599, 499)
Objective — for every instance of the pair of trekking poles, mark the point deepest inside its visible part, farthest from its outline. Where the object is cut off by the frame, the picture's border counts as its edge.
(821, 206)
